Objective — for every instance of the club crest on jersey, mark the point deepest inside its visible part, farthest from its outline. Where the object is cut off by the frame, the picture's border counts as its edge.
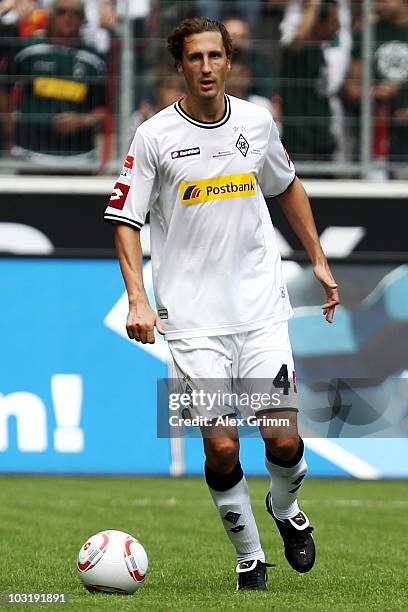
(127, 166)
(119, 195)
(185, 152)
(218, 188)
(242, 145)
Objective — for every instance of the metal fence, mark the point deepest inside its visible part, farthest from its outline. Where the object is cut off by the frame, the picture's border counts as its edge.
(333, 73)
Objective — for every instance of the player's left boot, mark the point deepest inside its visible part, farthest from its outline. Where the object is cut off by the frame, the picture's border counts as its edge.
(297, 536)
(252, 575)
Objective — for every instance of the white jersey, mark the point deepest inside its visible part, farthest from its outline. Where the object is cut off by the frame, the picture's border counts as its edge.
(216, 265)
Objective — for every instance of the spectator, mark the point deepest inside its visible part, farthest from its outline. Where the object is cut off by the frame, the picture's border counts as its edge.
(337, 57)
(99, 23)
(4, 104)
(263, 81)
(60, 92)
(245, 10)
(146, 27)
(238, 84)
(18, 19)
(168, 89)
(6, 35)
(390, 72)
(306, 115)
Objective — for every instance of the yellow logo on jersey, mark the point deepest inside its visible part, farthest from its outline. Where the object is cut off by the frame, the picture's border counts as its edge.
(60, 89)
(219, 188)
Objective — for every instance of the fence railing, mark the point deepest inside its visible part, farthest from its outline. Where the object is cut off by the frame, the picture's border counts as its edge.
(339, 93)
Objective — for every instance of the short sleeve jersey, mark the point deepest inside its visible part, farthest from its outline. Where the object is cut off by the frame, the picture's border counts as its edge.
(215, 260)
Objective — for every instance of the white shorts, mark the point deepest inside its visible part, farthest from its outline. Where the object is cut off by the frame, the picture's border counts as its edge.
(240, 368)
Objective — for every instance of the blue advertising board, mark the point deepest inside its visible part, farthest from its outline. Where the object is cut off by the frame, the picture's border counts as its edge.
(77, 396)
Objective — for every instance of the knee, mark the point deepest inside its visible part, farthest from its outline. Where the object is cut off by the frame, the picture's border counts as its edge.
(222, 454)
(284, 448)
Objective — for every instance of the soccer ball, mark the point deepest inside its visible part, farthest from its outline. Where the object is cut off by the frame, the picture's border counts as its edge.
(112, 562)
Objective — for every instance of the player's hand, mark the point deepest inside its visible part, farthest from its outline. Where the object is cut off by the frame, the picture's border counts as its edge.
(324, 275)
(140, 324)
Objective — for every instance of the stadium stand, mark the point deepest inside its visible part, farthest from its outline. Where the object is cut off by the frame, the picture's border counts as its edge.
(298, 56)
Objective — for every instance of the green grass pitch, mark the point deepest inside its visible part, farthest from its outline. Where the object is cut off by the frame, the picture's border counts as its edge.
(360, 532)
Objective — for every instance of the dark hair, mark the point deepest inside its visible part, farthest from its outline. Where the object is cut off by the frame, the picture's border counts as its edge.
(197, 25)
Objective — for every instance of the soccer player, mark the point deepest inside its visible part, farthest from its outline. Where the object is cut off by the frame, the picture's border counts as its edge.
(203, 167)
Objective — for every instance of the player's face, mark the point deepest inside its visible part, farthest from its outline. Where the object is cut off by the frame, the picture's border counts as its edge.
(204, 65)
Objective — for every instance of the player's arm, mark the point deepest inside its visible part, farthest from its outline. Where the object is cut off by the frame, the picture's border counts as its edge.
(141, 319)
(129, 203)
(296, 206)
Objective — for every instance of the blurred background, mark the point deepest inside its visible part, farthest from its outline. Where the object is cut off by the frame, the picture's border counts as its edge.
(76, 80)
(333, 73)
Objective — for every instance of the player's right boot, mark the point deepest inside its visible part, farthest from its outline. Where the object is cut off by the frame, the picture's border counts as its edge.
(297, 537)
(252, 575)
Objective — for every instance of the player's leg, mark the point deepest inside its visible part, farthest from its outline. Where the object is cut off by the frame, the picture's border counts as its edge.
(284, 460)
(287, 467)
(267, 355)
(196, 360)
(229, 490)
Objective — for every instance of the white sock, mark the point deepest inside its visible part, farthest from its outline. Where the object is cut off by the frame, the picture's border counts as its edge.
(286, 483)
(234, 506)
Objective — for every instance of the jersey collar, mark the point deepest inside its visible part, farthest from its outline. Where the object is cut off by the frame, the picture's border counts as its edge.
(209, 125)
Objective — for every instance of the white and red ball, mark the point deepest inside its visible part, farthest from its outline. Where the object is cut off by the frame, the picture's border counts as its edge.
(112, 562)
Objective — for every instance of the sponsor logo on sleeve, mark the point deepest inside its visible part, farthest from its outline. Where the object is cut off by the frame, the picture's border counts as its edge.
(127, 167)
(119, 195)
(287, 157)
(129, 161)
(218, 188)
(185, 152)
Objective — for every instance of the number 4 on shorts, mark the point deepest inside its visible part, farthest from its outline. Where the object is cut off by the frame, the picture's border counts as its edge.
(281, 380)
